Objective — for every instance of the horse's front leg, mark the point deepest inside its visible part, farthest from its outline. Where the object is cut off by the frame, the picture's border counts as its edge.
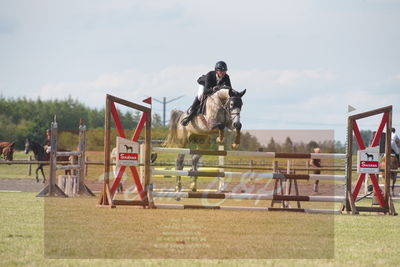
(221, 136)
(195, 162)
(236, 144)
(37, 174)
(179, 166)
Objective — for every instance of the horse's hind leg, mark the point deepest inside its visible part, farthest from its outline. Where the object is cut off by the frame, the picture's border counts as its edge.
(393, 181)
(195, 163)
(178, 167)
(44, 177)
(315, 187)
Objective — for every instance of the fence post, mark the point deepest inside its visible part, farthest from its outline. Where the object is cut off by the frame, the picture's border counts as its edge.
(29, 166)
(221, 162)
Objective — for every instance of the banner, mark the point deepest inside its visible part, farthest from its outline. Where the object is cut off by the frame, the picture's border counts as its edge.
(127, 152)
(368, 160)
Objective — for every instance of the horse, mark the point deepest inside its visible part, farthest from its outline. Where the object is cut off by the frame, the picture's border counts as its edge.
(128, 148)
(222, 110)
(41, 155)
(7, 150)
(394, 165)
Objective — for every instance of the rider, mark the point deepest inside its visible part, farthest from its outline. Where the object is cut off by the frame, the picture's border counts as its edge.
(208, 84)
(47, 143)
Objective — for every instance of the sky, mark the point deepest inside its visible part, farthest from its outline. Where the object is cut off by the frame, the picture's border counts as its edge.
(302, 61)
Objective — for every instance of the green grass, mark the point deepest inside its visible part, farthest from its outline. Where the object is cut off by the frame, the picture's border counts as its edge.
(39, 232)
(16, 171)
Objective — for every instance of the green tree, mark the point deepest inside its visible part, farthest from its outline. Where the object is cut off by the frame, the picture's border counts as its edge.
(272, 146)
(288, 145)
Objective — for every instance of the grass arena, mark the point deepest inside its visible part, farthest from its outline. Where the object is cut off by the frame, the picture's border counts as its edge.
(150, 227)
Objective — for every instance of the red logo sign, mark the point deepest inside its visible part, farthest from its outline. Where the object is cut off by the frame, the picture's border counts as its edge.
(128, 156)
(369, 164)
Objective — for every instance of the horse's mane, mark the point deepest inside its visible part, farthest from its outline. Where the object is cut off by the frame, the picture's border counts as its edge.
(222, 94)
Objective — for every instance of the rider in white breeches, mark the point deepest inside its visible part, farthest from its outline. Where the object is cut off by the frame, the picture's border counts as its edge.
(208, 84)
(394, 143)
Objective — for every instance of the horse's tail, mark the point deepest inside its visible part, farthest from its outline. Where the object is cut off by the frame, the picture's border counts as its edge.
(172, 138)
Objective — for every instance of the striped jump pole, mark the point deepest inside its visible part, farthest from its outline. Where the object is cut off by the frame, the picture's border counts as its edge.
(250, 175)
(244, 196)
(247, 175)
(187, 151)
(240, 208)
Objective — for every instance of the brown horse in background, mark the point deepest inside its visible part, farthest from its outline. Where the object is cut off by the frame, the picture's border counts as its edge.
(41, 155)
(7, 150)
(394, 165)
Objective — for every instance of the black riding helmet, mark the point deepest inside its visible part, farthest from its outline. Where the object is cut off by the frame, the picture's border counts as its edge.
(221, 65)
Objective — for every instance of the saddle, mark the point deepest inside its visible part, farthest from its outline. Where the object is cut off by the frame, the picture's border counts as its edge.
(202, 107)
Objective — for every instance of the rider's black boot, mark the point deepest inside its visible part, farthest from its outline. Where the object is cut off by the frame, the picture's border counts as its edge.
(192, 112)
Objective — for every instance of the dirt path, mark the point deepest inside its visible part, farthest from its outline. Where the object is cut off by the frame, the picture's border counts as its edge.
(30, 185)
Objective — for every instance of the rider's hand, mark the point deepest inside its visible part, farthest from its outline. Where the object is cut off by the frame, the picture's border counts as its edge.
(216, 88)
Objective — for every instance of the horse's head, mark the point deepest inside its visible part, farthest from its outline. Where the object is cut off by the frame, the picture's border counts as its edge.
(235, 106)
(8, 151)
(27, 145)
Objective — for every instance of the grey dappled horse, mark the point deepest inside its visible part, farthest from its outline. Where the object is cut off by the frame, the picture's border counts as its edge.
(222, 111)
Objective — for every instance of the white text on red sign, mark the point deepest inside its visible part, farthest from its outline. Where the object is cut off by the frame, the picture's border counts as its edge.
(128, 156)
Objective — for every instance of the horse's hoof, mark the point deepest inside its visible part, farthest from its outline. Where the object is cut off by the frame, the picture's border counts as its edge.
(235, 146)
(153, 157)
(315, 188)
(178, 188)
(37, 180)
(44, 181)
(193, 187)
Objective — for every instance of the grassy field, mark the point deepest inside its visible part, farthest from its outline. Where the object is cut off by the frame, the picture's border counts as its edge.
(73, 232)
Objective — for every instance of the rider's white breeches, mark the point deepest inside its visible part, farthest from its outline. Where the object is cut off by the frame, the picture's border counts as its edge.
(200, 92)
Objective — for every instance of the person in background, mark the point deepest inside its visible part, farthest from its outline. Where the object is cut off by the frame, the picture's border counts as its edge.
(47, 142)
(316, 164)
(395, 143)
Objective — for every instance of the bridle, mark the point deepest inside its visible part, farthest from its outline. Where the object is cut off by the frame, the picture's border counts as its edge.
(227, 107)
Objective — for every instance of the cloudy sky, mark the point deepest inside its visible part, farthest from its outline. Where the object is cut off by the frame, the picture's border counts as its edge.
(302, 61)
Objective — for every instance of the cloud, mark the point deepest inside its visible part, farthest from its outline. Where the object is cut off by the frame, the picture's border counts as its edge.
(394, 78)
(7, 27)
(175, 80)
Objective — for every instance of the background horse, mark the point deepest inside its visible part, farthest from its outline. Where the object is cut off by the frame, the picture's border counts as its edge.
(394, 165)
(222, 110)
(7, 150)
(41, 155)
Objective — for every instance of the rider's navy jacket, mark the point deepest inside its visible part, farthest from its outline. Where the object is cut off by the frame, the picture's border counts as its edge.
(210, 80)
